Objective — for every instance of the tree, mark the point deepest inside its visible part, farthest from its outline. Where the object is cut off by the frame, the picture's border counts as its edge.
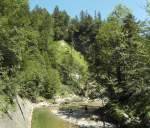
(119, 13)
(148, 7)
(42, 22)
(61, 22)
(84, 32)
(123, 65)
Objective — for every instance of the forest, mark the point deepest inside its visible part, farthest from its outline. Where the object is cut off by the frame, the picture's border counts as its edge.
(45, 54)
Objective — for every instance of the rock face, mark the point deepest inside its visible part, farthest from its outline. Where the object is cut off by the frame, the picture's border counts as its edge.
(20, 117)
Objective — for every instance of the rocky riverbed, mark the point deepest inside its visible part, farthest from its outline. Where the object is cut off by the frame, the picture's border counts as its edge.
(82, 122)
(81, 112)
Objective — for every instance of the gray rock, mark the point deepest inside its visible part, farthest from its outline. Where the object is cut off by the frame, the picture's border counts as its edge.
(20, 118)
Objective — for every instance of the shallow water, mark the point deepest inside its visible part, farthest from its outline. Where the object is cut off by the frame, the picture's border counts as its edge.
(43, 118)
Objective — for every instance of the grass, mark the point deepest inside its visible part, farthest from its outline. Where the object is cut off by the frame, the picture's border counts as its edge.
(43, 118)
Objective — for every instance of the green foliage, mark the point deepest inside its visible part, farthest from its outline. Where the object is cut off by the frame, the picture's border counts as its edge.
(31, 64)
(83, 32)
(38, 77)
(148, 7)
(119, 13)
(122, 65)
(70, 64)
(24, 69)
(61, 22)
(117, 50)
(42, 22)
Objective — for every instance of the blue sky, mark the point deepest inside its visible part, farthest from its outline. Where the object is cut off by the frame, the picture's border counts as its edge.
(73, 7)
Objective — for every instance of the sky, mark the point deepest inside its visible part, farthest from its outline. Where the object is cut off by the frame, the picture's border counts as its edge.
(105, 7)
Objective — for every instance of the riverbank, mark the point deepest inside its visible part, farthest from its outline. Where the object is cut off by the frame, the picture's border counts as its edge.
(69, 109)
(73, 111)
